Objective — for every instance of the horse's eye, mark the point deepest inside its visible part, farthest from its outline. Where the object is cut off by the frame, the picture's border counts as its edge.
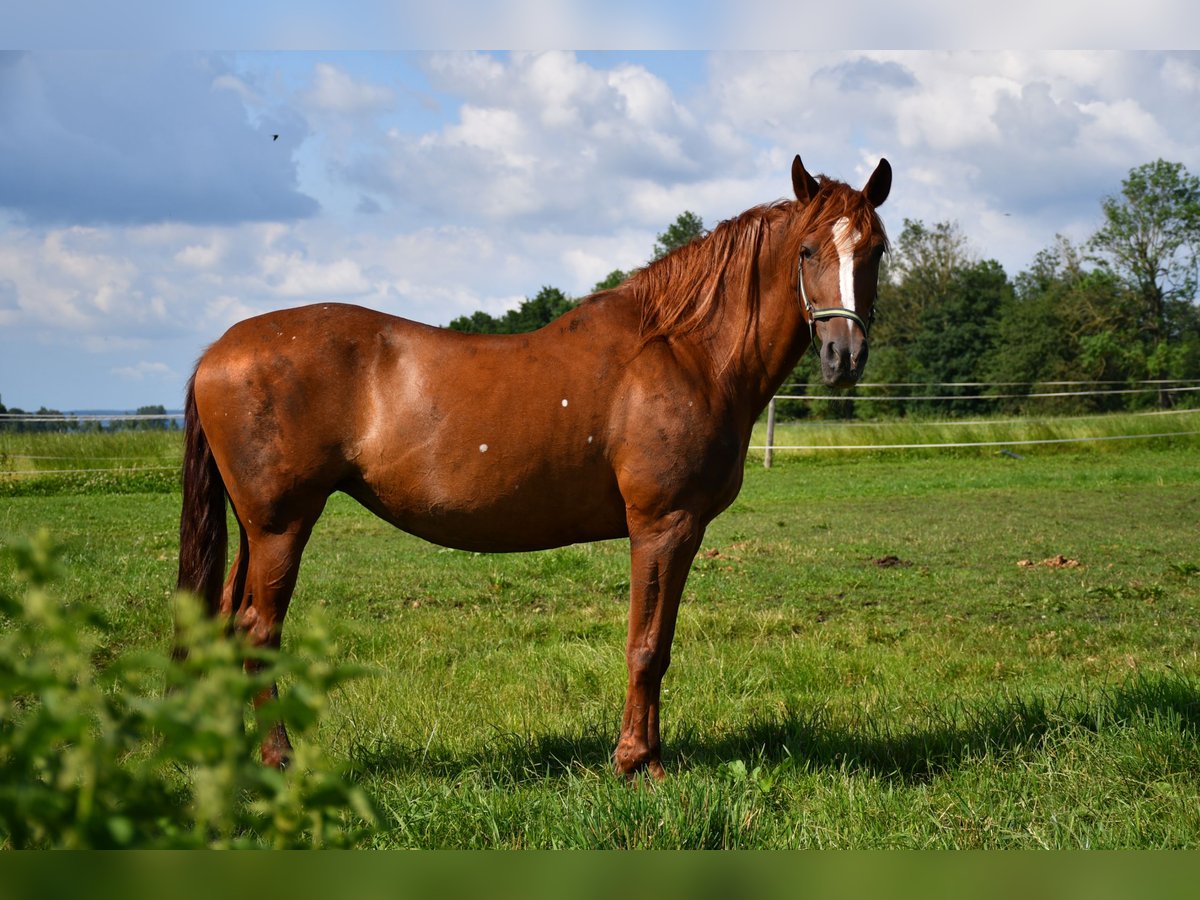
(807, 251)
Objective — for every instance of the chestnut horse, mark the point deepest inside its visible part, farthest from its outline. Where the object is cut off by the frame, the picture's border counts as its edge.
(629, 416)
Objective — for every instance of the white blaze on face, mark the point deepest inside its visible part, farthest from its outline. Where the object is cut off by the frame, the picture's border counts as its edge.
(846, 240)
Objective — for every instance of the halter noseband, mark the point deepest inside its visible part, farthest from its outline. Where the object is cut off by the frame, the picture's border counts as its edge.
(833, 312)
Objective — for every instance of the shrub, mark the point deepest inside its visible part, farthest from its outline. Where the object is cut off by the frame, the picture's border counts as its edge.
(140, 751)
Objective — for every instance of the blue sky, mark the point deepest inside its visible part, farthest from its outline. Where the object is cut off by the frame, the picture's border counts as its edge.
(145, 207)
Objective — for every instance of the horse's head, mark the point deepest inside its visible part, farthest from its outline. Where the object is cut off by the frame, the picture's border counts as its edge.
(838, 269)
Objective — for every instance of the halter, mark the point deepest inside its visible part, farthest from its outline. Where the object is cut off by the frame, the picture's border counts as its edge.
(833, 312)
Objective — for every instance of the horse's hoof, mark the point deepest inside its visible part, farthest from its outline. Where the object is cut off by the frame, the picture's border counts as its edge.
(276, 760)
(629, 764)
(276, 756)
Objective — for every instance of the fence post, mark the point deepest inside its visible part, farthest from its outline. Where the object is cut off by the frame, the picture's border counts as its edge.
(770, 434)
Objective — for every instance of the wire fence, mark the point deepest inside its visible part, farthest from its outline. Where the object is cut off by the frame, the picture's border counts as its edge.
(1006, 396)
(1008, 442)
(977, 395)
(108, 470)
(1155, 387)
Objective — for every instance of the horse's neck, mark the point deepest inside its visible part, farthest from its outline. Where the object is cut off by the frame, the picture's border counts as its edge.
(751, 355)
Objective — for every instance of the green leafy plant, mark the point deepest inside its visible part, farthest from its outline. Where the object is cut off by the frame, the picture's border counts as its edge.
(140, 751)
(762, 778)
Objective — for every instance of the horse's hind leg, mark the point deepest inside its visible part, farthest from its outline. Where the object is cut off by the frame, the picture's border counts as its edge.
(274, 563)
(234, 595)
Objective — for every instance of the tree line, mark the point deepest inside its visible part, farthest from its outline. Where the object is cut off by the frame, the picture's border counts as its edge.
(1119, 307)
(18, 420)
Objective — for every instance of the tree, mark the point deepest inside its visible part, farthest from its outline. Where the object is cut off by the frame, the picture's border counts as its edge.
(917, 278)
(611, 280)
(1064, 322)
(547, 305)
(151, 424)
(1150, 239)
(479, 322)
(958, 331)
(686, 228)
(920, 272)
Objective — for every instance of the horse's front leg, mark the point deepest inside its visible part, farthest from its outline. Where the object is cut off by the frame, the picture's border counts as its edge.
(661, 552)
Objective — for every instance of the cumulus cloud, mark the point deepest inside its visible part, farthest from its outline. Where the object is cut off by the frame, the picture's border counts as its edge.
(368, 206)
(546, 135)
(145, 370)
(1181, 74)
(864, 74)
(201, 256)
(91, 138)
(336, 91)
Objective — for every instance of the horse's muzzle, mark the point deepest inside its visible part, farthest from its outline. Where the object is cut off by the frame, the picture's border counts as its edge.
(843, 360)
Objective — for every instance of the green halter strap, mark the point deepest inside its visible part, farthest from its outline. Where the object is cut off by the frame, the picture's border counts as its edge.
(834, 312)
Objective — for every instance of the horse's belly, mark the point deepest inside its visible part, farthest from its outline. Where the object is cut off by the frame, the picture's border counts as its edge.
(500, 515)
(510, 534)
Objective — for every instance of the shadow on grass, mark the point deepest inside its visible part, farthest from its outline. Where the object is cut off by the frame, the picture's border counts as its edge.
(950, 738)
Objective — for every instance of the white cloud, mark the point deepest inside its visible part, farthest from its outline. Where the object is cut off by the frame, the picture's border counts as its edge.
(229, 82)
(1120, 126)
(201, 256)
(1181, 74)
(955, 113)
(499, 131)
(104, 344)
(646, 99)
(145, 370)
(561, 88)
(333, 90)
(546, 135)
(295, 277)
(224, 310)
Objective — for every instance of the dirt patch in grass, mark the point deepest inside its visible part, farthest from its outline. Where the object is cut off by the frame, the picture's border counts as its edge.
(1054, 562)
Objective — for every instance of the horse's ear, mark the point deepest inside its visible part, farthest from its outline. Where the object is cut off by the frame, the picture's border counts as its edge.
(803, 184)
(879, 185)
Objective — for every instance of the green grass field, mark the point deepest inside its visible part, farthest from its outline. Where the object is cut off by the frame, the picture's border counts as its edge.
(860, 659)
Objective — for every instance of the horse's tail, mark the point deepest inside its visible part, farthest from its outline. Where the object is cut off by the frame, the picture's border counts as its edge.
(202, 530)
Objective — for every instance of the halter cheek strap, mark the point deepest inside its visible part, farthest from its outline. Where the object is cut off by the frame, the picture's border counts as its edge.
(834, 312)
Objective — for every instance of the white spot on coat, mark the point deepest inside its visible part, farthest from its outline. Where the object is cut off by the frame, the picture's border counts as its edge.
(483, 448)
(564, 401)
